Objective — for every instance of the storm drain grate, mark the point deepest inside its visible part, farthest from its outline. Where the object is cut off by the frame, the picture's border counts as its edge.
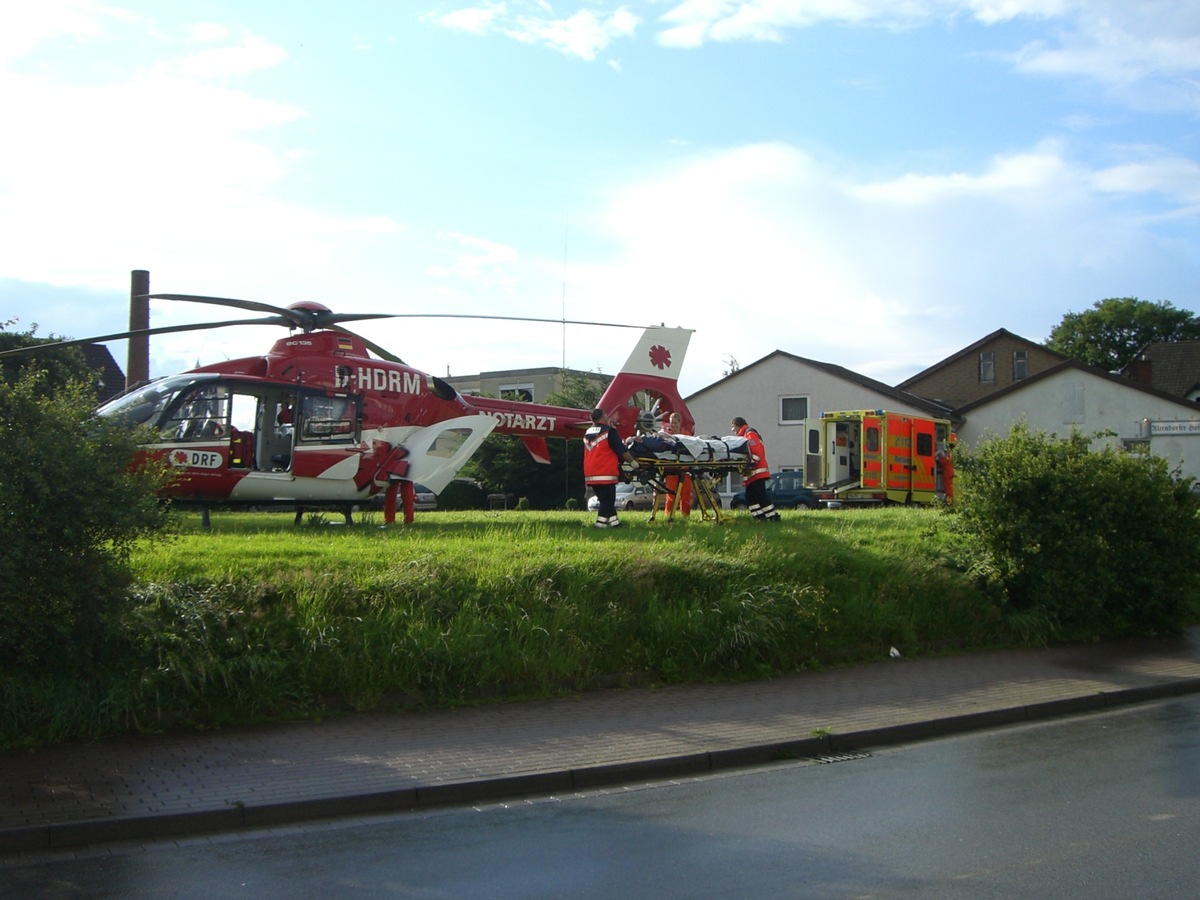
(840, 757)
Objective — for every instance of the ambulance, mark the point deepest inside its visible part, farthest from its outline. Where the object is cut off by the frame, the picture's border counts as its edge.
(875, 457)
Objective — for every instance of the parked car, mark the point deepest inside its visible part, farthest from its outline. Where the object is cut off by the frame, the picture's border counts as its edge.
(629, 496)
(423, 498)
(786, 490)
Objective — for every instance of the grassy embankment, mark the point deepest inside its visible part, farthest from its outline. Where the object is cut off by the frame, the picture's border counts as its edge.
(258, 619)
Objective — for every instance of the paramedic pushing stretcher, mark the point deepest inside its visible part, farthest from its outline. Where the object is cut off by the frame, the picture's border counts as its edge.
(603, 451)
(757, 473)
(677, 485)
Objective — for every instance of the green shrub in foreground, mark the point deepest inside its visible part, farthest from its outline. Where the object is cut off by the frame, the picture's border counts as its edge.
(71, 513)
(1098, 542)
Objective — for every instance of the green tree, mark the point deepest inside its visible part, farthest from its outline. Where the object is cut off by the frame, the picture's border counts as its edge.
(579, 391)
(59, 364)
(504, 465)
(576, 391)
(1110, 333)
(1095, 542)
(71, 508)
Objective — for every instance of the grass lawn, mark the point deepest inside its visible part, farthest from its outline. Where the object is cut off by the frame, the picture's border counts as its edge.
(258, 618)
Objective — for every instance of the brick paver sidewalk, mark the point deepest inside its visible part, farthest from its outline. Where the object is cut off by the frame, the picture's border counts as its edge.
(149, 786)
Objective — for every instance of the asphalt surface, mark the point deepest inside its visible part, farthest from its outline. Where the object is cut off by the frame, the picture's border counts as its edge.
(149, 787)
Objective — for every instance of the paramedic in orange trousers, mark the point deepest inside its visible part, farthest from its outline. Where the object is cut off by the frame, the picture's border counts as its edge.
(602, 455)
(758, 472)
(674, 426)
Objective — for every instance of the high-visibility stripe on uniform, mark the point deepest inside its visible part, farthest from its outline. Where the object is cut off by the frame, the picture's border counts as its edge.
(759, 469)
(600, 464)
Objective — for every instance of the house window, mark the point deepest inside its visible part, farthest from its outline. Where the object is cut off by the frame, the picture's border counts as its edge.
(522, 392)
(793, 410)
(987, 367)
(1020, 364)
(1073, 407)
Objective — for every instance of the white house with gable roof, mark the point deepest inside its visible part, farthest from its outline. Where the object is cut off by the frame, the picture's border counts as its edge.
(777, 393)
(1072, 395)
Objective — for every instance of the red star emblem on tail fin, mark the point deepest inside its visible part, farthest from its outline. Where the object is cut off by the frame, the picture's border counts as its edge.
(660, 356)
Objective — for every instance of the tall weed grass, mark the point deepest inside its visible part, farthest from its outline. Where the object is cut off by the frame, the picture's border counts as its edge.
(257, 618)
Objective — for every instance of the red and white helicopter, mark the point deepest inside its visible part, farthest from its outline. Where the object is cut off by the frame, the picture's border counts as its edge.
(317, 422)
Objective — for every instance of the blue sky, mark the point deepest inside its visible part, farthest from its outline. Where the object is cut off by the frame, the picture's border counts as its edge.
(872, 183)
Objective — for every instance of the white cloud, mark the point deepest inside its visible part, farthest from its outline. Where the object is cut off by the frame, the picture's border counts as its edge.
(694, 22)
(992, 11)
(1035, 175)
(691, 22)
(1147, 52)
(36, 23)
(205, 32)
(156, 167)
(472, 19)
(1175, 180)
(584, 34)
(763, 248)
(486, 263)
(250, 55)
(179, 167)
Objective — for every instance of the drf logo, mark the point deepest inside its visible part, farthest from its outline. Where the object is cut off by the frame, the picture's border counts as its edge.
(196, 459)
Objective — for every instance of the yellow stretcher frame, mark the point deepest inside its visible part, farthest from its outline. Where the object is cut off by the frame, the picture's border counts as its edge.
(705, 475)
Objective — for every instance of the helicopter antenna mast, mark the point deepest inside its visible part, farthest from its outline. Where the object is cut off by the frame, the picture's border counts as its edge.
(566, 225)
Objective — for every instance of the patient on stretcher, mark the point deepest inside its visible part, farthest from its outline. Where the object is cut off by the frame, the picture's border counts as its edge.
(685, 448)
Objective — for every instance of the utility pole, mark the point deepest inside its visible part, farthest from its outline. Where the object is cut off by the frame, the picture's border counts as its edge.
(137, 367)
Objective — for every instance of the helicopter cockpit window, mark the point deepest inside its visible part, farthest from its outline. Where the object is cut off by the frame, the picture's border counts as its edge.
(145, 405)
(201, 415)
(328, 419)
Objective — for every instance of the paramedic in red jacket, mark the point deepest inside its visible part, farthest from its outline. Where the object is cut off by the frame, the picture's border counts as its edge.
(757, 473)
(677, 485)
(602, 455)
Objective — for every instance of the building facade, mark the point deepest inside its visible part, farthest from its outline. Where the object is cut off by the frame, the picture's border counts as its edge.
(779, 392)
(1113, 409)
(528, 385)
(992, 364)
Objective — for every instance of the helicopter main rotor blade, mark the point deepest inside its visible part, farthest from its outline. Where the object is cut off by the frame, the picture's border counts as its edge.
(298, 316)
(309, 319)
(504, 319)
(252, 305)
(142, 332)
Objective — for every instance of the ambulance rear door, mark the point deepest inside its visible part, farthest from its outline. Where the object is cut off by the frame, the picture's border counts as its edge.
(872, 451)
(924, 463)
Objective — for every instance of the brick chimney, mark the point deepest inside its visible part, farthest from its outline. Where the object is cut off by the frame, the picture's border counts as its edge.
(1140, 370)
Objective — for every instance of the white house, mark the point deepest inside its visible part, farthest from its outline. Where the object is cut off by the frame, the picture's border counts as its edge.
(1072, 395)
(778, 392)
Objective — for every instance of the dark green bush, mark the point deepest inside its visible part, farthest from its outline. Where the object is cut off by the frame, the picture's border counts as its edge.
(1099, 542)
(71, 510)
(462, 495)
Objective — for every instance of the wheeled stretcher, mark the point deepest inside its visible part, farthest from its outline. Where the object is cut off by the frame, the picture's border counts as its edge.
(669, 462)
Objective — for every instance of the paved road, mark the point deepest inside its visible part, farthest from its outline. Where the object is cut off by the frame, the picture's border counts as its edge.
(998, 814)
(146, 787)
